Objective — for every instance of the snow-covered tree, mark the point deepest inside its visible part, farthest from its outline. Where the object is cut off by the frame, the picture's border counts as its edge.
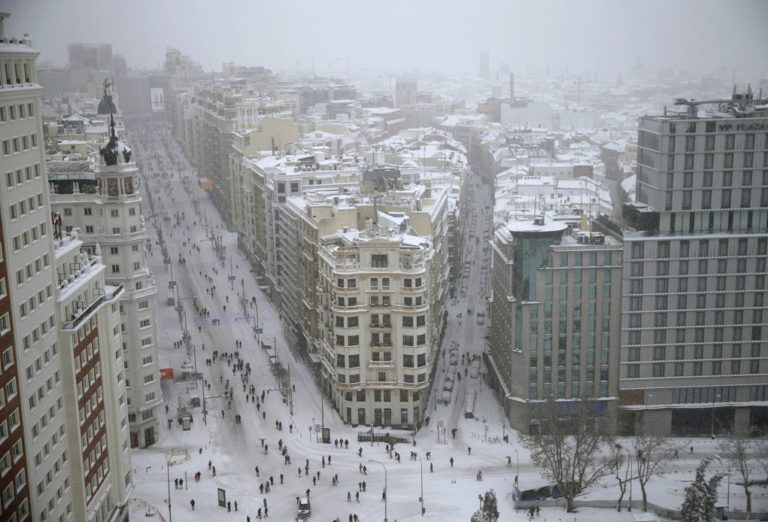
(489, 511)
(701, 496)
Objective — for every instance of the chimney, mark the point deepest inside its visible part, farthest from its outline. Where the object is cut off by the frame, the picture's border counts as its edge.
(3, 16)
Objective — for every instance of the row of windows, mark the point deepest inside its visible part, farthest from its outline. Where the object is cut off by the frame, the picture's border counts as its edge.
(88, 211)
(14, 112)
(561, 390)
(22, 175)
(50, 414)
(697, 368)
(19, 143)
(385, 282)
(16, 72)
(25, 238)
(32, 269)
(720, 247)
(726, 141)
(660, 353)
(381, 395)
(34, 301)
(382, 321)
(728, 198)
(380, 301)
(42, 361)
(21, 208)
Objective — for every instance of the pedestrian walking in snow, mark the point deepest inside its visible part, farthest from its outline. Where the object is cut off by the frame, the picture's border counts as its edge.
(192, 503)
(451, 461)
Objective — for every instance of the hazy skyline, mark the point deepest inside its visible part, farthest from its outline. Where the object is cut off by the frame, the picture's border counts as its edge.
(401, 35)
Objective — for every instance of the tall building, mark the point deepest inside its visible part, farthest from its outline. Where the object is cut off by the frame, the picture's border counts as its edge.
(382, 277)
(31, 320)
(484, 69)
(555, 320)
(94, 399)
(102, 200)
(63, 451)
(694, 334)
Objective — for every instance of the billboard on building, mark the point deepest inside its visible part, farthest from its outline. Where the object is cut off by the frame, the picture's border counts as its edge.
(157, 98)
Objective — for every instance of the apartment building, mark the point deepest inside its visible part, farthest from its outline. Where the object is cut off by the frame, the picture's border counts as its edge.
(694, 355)
(216, 112)
(94, 399)
(28, 255)
(382, 284)
(555, 320)
(101, 199)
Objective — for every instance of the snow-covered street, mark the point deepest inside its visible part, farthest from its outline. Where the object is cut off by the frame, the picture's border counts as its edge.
(343, 480)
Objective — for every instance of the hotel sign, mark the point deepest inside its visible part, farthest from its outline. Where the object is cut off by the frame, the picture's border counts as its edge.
(762, 126)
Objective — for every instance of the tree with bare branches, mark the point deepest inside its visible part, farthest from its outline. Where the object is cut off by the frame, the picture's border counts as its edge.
(652, 454)
(571, 448)
(623, 473)
(740, 450)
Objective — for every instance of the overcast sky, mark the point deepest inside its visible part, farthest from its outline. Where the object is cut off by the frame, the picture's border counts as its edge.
(439, 35)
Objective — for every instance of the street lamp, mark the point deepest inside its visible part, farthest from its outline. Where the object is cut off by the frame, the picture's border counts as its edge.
(385, 486)
(517, 461)
(168, 483)
(712, 417)
(421, 477)
(629, 454)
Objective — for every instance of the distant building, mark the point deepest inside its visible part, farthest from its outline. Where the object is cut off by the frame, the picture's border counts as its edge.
(95, 57)
(484, 68)
(406, 92)
(695, 331)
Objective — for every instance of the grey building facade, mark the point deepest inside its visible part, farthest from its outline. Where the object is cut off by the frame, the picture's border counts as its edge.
(694, 357)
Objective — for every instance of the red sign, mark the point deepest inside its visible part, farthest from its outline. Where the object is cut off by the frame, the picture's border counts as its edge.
(166, 373)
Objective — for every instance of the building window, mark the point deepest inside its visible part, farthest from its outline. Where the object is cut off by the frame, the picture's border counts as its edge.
(378, 260)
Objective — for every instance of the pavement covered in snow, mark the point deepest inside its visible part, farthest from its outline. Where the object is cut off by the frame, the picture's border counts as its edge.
(450, 492)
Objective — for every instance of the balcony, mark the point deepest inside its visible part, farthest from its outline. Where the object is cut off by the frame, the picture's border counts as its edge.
(381, 364)
(87, 309)
(381, 325)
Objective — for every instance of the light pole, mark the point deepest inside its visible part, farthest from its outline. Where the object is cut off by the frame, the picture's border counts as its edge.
(712, 418)
(629, 453)
(168, 483)
(517, 461)
(421, 477)
(385, 486)
(313, 429)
